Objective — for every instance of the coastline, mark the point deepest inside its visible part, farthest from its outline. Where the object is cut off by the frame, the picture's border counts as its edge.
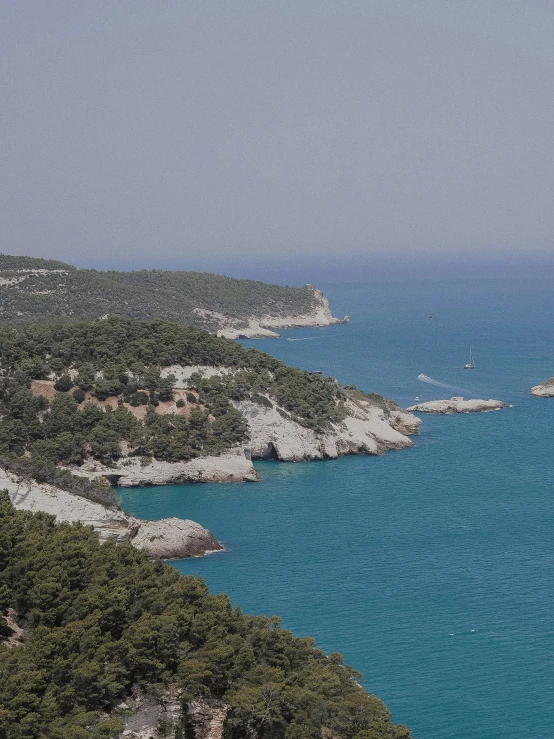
(265, 327)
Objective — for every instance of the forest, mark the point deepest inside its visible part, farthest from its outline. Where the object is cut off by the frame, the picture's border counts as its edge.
(99, 619)
(56, 290)
(104, 372)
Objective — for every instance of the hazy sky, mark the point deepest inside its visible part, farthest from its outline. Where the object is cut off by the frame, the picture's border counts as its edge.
(185, 133)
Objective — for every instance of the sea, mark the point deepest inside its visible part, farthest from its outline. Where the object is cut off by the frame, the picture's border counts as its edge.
(430, 569)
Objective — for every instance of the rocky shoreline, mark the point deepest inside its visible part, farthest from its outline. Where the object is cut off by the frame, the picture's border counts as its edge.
(366, 429)
(169, 538)
(128, 472)
(458, 405)
(264, 327)
(544, 390)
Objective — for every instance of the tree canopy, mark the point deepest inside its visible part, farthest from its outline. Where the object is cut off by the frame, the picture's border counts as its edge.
(99, 619)
(55, 290)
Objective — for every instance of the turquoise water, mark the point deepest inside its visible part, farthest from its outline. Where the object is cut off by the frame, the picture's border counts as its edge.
(430, 569)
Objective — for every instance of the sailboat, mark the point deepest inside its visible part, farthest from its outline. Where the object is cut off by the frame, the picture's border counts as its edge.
(470, 364)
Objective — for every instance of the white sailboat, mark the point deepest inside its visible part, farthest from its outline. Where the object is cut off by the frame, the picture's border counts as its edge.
(470, 364)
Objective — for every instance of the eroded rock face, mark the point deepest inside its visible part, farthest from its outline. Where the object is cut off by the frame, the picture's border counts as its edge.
(263, 328)
(458, 405)
(173, 538)
(233, 466)
(207, 718)
(149, 717)
(544, 390)
(168, 538)
(366, 430)
(16, 634)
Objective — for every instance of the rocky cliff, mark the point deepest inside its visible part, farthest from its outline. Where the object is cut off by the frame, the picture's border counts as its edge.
(458, 405)
(234, 466)
(544, 390)
(150, 717)
(367, 429)
(264, 327)
(168, 538)
(34, 289)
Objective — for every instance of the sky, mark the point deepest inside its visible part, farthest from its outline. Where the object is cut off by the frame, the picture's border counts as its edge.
(224, 135)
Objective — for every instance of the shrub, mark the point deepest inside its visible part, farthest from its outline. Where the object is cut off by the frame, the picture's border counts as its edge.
(64, 383)
(79, 395)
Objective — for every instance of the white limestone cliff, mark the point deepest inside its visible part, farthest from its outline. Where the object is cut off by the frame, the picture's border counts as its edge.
(544, 390)
(233, 466)
(458, 405)
(367, 429)
(168, 538)
(264, 327)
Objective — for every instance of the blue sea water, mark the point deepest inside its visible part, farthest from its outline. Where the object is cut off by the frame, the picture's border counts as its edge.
(431, 569)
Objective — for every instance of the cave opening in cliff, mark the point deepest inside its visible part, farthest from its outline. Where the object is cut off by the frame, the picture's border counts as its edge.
(270, 452)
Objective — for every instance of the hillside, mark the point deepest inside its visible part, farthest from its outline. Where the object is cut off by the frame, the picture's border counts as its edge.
(112, 397)
(91, 632)
(37, 289)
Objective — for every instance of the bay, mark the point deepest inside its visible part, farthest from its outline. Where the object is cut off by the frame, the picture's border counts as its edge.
(430, 569)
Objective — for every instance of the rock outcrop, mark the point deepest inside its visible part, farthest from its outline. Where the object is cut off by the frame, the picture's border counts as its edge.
(264, 327)
(544, 390)
(367, 429)
(149, 717)
(16, 634)
(233, 466)
(169, 538)
(207, 718)
(458, 405)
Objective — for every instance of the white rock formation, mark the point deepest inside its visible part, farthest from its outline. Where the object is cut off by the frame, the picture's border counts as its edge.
(168, 538)
(182, 373)
(366, 430)
(233, 466)
(544, 390)
(149, 716)
(458, 405)
(263, 327)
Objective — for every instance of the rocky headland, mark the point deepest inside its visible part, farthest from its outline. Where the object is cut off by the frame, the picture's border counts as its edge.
(149, 403)
(169, 538)
(39, 289)
(458, 405)
(264, 327)
(544, 390)
(367, 428)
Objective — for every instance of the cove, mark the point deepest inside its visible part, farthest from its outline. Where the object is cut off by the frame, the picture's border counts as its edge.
(430, 569)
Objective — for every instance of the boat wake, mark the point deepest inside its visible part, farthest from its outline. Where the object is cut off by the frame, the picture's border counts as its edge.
(430, 381)
(305, 338)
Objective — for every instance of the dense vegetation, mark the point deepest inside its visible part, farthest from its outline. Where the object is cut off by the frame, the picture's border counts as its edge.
(120, 360)
(72, 293)
(100, 619)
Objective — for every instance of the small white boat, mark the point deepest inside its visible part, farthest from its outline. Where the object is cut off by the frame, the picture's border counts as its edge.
(470, 364)
(416, 397)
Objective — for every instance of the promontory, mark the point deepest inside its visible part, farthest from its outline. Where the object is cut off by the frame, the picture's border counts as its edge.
(38, 289)
(118, 401)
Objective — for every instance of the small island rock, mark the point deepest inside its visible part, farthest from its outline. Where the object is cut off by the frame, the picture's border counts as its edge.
(458, 405)
(544, 390)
